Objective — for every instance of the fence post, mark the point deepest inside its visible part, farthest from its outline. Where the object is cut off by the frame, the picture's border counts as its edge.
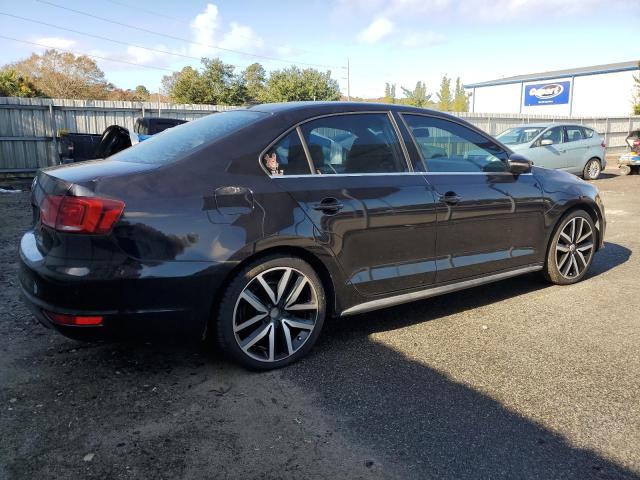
(606, 131)
(54, 135)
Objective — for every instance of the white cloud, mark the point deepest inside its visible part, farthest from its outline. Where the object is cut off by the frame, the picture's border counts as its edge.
(204, 30)
(422, 39)
(56, 42)
(378, 29)
(241, 37)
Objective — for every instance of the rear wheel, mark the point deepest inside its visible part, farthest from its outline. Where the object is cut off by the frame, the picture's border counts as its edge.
(592, 169)
(625, 169)
(571, 249)
(271, 313)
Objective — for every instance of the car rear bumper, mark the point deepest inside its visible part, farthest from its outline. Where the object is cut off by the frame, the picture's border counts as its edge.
(164, 297)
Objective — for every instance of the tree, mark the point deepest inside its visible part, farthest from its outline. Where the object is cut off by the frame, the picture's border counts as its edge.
(186, 86)
(12, 84)
(445, 102)
(141, 94)
(390, 92)
(294, 84)
(417, 97)
(460, 98)
(254, 78)
(64, 75)
(636, 96)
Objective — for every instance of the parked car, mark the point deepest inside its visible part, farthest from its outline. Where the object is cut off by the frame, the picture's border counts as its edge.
(574, 148)
(78, 147)
(189, 230)
(629, 162)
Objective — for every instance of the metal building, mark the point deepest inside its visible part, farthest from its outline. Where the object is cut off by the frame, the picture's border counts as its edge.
(601, 90)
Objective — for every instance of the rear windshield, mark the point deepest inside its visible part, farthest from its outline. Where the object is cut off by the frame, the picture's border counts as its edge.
(174, 143)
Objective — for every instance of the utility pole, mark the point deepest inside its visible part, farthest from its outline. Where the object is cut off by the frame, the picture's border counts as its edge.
(348, 81)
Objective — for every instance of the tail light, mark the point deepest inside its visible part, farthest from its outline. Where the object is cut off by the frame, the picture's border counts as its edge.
(75, 320)
(80, 214)
(603, 145)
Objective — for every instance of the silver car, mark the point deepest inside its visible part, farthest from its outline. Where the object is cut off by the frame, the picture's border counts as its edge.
(574, 148)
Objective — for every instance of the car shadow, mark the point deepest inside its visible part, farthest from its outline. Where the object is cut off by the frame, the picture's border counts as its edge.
(607, 258)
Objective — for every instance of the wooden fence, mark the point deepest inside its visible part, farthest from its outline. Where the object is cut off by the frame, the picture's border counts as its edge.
(30, 127)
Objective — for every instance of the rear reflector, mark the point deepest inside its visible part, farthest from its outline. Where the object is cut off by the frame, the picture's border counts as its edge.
(80, 214)
(78, 320)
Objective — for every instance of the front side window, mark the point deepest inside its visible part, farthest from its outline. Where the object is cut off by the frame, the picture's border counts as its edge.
(354, 143)
(574, 134)
(450, 147)
(287, 157)
(519, 135)
(554, 134)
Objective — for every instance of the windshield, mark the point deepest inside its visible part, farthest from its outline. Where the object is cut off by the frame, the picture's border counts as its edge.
(174, 143)
(517, 135)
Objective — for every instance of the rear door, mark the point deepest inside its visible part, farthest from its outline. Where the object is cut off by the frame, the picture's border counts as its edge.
(359, 189)
(488, 219)
(576, 147)
(549, 156)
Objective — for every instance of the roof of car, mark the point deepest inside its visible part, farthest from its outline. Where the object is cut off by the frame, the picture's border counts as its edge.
(335, 107)
(549, 124)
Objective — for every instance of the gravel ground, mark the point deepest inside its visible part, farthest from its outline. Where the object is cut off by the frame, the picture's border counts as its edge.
(513, 380)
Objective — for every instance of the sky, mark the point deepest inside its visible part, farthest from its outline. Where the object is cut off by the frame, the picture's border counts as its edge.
(395, 41)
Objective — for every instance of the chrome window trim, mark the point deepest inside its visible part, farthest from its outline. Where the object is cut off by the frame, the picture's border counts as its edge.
(278, 177)
(477, 130)
(310, 160)
(435, 291)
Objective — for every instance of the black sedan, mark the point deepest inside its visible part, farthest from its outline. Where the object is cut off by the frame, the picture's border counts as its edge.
(252, 226)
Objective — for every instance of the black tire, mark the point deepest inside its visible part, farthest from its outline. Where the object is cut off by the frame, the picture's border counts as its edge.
(231, 305)
(555, 273)
(592, 169)
(635, 170)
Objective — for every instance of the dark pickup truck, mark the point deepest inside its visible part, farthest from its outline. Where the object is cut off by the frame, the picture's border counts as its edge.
(77, 147)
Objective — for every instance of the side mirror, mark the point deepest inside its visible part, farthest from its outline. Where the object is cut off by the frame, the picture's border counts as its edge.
(518, 164)
(546, 142)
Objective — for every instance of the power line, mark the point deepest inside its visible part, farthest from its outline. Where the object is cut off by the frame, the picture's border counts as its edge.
(183, 20)
(100, 37)
(87, 54)
(133, 27)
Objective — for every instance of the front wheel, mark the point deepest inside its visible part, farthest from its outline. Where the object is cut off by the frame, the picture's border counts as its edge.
(571, 249)
(592, 169)
(271, 313)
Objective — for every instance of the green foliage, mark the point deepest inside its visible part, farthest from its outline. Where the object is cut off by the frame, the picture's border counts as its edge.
(254, 78)
(445, 100)
(418, 97)
(294, 84)
(460, 98)
(636, 95)
(12, 84)
(186, 86)
(141, 94)
(389, 93)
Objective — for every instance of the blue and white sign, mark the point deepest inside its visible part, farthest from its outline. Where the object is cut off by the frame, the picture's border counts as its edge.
(547, 94)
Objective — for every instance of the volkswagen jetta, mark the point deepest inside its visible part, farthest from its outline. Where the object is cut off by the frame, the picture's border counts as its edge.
(252, 226)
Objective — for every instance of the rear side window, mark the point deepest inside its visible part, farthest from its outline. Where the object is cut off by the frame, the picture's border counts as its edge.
(450, 147)
(287, 157)
(174, 143)
(355, 144)
(574, 134)
(588, 133)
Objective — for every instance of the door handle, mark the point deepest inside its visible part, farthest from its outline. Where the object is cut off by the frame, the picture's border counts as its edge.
(328, 205)
(450, 198)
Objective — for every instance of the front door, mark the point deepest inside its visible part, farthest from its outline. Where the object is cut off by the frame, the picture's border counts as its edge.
(553, 155)
(376, 214)
(488, 219)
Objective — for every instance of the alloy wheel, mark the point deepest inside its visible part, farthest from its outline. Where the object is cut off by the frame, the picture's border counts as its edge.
(594, 169)
(574, 248)
(275, 314)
